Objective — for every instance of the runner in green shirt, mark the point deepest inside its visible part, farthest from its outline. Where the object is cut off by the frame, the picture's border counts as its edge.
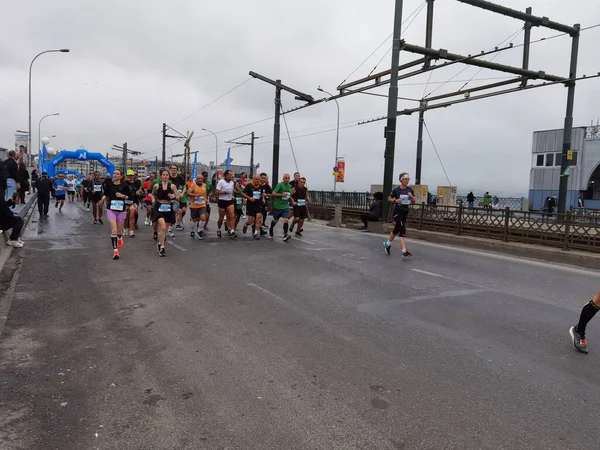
(281, 204)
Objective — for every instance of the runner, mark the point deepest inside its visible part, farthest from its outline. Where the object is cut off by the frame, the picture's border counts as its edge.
(117, 194)
(294, 183)
(254, 193)
(179, 183)
(299, 199)
(209, 190)
(578, 331)
(265, 200)
(60, 188)
(85, 194)
(183, 206)
(95, 193)
(240, 201)
(71, 188)
(281, 202)
(198, 199)
(401, 196)
(225, 188)
(243, 182)
(153, 183)
(148, 199)
(78, 187)
(135, 189)
(163, 193)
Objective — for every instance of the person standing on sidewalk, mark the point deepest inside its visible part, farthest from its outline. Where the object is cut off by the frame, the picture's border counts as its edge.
(578, 331)
(12, 168)
(44, 188)
(471, 199)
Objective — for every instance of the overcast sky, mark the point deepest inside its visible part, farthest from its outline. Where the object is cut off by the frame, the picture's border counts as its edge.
(136, 64)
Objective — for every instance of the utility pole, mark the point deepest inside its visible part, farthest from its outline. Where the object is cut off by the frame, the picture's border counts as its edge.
(390, 130)
(164, 145)
(251, 144)
(125, 157)
(428, 44)
(276, 133)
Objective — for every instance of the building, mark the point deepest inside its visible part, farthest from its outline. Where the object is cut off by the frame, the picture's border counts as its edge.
(584, 170)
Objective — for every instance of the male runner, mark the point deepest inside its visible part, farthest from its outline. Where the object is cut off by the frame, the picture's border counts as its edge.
(401, 196)
(131, 204)
(85, 194)
(209, 191)
(179, 182)
(265, 201)
(198, 199)
(71, 187)
(147, 186)
(254, 193)
(299, 199)
(225, 188)
(60, 187)
(96, 192)
(294, 183)
(282, 194)
(587, 313)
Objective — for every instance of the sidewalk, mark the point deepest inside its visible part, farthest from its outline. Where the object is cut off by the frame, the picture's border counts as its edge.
(23, 210)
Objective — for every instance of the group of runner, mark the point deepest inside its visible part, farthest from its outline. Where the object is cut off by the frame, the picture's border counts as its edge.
(168, 197)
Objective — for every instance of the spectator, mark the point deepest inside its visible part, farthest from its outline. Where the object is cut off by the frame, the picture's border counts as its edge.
(552, 204)
(34, 179)
(44, 190)
(12, 169)
(487, 200)
(374, 211)
(23, 182)
(9, 220)
(471, 199)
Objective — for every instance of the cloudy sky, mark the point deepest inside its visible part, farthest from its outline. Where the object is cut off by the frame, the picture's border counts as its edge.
(136, 64)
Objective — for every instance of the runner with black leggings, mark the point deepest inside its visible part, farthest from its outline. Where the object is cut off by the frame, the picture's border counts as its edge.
(401, 196)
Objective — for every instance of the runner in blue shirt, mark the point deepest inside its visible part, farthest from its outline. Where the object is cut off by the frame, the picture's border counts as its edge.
(60, 188)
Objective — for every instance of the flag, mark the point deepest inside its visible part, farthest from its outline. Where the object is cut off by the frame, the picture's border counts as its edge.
(42, 158)
(171, 159)
(228, 158)
(152, 168)
(195, 168)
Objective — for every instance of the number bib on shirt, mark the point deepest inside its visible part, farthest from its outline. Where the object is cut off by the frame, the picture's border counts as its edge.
(164, 207)
(238, 200)
(287, 195)
(405, 199)
(301, 202)
(199, 200)
(117, 205)
(97, 188)
(256, 194)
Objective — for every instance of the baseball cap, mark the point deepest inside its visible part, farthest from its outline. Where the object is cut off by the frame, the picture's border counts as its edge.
(130, 172)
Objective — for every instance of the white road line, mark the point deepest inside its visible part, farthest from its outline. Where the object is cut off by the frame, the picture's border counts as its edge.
(177, 246)
(428, 273)
(264, 290)
(320, 249)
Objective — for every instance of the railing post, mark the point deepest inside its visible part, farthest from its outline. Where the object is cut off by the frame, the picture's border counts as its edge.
(421, 212)
(459, 220)
(567, 231)
(506, 224)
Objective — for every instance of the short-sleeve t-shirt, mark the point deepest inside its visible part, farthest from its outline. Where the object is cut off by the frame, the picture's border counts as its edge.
(116, 203)
(256, 193)
(402, 193)
(60, 186)
(279, 202)
(198, 196)
(226, 186)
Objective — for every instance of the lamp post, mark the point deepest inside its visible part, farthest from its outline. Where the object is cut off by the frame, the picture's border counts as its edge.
(216, 147)
(337, 135)
(62, 50)
(40, 130)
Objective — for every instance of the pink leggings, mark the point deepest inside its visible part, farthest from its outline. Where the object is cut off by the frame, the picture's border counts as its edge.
(118, 216)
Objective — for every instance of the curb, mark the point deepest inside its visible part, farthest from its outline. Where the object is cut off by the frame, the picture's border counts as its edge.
(26, 213)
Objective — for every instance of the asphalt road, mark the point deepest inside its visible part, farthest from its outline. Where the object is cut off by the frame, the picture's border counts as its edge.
(322, 342)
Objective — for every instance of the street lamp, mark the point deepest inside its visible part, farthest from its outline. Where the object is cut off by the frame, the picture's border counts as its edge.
(62, 50)
(40, 130)
(216, 147)
(337, 136)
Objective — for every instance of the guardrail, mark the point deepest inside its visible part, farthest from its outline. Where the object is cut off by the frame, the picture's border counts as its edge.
(567, 231)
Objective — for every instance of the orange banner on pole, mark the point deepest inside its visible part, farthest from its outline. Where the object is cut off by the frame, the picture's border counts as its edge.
(341, 171)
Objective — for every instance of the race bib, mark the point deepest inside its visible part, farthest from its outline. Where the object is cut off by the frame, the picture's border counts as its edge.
(164, 207)
(180, 191)
(287, 195)
(405, 199)
(238, 200)
(301, 202)
(256, 194)
(199, 200)
(97, 188)
(117, 205)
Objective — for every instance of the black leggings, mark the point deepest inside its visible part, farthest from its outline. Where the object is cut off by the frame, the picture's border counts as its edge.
(400, 217)
(366, 218)
(16, 223)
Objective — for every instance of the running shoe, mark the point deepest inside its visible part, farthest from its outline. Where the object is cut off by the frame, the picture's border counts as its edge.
(263, 232)
(256, 236)
(271, 231)
(15, 244)
(155, 237)
(297, 233)
(158, 248)
(233, 236)
(192, 234)
(115, 254)
(406, 253)
(100, 222)
(170, 233)
(162, 252)
(292, 228)
(579, 342)
(219, 233)
(200, 234)
(120, 242)
(146, 222)
(131, 233)
(287, 237)
(88, 208)
(245, 228)
(56, 205)
(179, 227)
(387, 248)
(95, 222)
(125, 231)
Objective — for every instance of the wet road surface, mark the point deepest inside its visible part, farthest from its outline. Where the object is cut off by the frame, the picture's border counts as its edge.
(322, 342)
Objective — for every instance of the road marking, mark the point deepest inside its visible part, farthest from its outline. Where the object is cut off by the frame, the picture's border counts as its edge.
(320, 249)
(264, 290)
(381, 306)
(428, 273)
(177, 246)
(305, 241)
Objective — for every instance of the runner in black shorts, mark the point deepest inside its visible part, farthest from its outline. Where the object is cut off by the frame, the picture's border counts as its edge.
(401, 196)
(225, 188)
(299, 199)
(210, 193)
(163, 193)
(96, 191)
(85, 194)
(254, 193)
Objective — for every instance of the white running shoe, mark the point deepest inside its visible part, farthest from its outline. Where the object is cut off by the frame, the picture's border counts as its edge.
(15, 244)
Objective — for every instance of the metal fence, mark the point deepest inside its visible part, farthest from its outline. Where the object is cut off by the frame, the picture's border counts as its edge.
(515, 203)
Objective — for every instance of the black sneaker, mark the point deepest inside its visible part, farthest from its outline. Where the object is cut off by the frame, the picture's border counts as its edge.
(579, 341)
(95, 222)
(297, 233)
(100, 221)
(291, 228)
(219, 233)
(192, 234)
(287, 237)
(406, 253)
(256, 236)
(162, 252)
(158, 248)
(155, 236)
(271, 231)
(245, 228)
(233, 236)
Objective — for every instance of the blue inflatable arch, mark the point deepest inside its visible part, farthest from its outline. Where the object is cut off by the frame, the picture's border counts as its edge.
(79, 155)
(77, 173)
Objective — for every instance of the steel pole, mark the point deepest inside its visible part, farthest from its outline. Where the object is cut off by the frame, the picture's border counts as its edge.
(390, 131)
(40, 132)
(568, 131)
(276, 133)
(337, 134)
(252, 155)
